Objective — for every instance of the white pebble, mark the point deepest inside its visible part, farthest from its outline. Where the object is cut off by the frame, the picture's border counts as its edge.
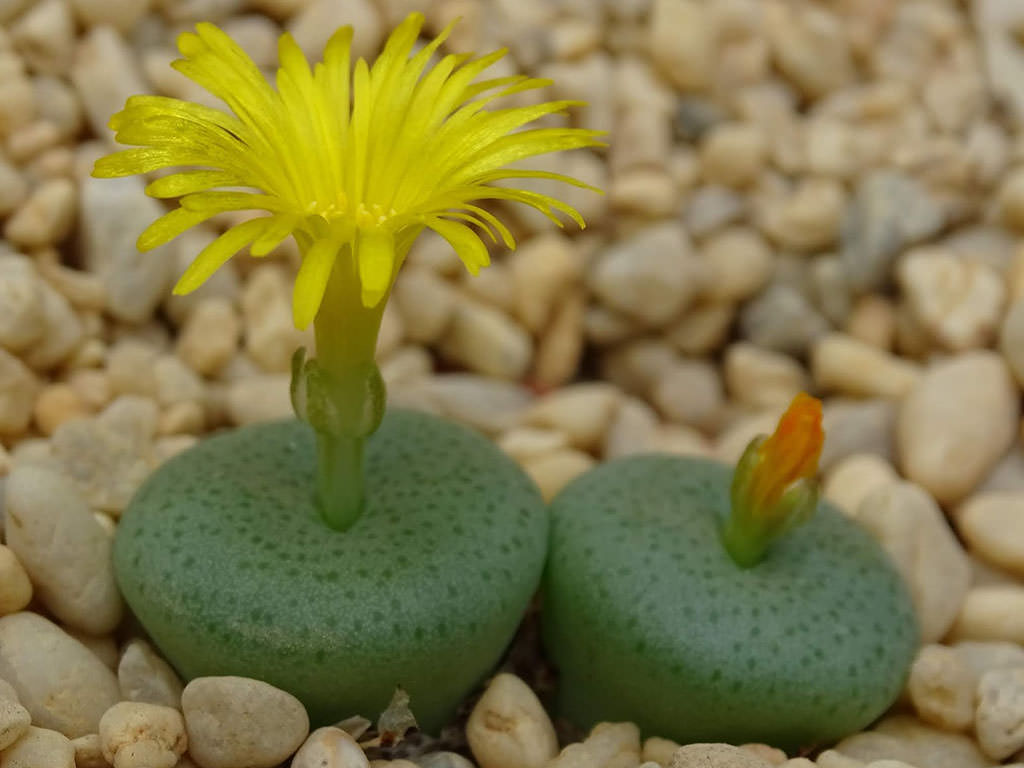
(426, 302)
(607, 745)
(88, 753)
(45, 217)
(14, 722)
(992, 524)
(999, 722)
(508, 727)
(145, 677)
(941, 688)
(853, 477)
(738, 263)
(991, 613)
(853, 367)
(912, 529)
(236, 722)
(39, 747)
(138, 735)
(210, 335)
(59, 681)
(21, 299)
(581, 411)
(45, 35)
(487, 341)
(733, 154)
(15, 587)
(542, 269)
(715, 756)
(262, 397)
(105, 74)
(553, 471)
(760, 377)
(1011, 340)
(330, 748)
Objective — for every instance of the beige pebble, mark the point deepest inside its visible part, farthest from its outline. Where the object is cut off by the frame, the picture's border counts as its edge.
(904, 738)
(716, 756)
(645, 191)
(55, 404)
(14, 722)
(62, 331)
(184, 418)
(138, 735)
(911, 528)
(508, 727)
(270, 335)
(21, 300)
(853, 477)
(522, 443)
(542, 269)
(330, 748)
(681, 42)
(991, 613)
(45, 35)
(45, 217)
(657, 749)
(264, 397)
(733, 154)
(690, 392)
(761, 378)
(634, 429)
(490, 405)
(960, 303)
(986, 655)
(175, 381)
(999, 722)
(17, 393)
(738, 264)
(32, 140)
(233, 722)
(210, 335)
(941, 688)
(121, 14)
(39, 747)
(103, 647)
(15, 587)
(1011, 200)
(956, 423)
(130, 367)
(872, 320)
(853, 367)
(642, 135)
(487, 341)
(144, 676)
(808, 218)
(608, 745)
(702, 329)
(581, 411)
(315, 20)
(426, 302)
(803, 762)
(89, 753)
(766, 752)
(992, 524)
(554, 470)
(1011, 340)
(13, 186)
(560, 348)
(58, 680)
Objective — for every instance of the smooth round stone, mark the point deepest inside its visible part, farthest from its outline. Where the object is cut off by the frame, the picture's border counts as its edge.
(649, 620)
(225, 561)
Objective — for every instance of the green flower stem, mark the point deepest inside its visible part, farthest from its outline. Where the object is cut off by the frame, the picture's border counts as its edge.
(346, 340)
(745, 544)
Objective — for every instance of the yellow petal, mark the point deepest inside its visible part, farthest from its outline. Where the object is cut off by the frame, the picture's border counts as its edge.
(213, 256)
(375, 255)
(311, 281)
(467, 244)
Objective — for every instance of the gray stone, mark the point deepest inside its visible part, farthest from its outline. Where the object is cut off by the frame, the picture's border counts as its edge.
(782, 319)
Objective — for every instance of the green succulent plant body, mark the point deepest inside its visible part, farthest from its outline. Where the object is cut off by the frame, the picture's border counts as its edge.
(649, 619)
(226, 561)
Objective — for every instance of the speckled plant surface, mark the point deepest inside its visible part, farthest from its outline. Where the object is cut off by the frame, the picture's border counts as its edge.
(241, 576)
(648, 619)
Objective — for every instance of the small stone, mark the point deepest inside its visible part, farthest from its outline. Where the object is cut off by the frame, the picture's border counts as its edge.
(15, 587)
(888, 212)
(62, 331)
(38, 747)
(690, 392)
(904, 738)
(105, 74)
(175, 381)
(553, 471)
(1011, 200)
(130, 365)
(89, 754)
(209, 337)
(13, 187)
(651, 275)
(634, 429)
(810, 47)
(14, 722)
(607, 746)
(18, 388)
(647, 191)
(941, 688)
(911, 528)
(682, 42)
(55, 404)
(487, 341)
(999, 722)
(872, 320)
(114, 212)
(236, 722)
(738, 263)
(21, 303)
(733, 154)
(522, 443)
(145, 677)
(65, 552)
(45, 36)
(959, 302)
(992, 524)
(852, 367)
(642, 136)
(1011, 340)
(270, 335)
(490, 405)
(956, 423)
(508, 727)
(808, 219)
(711, 207)
(852, 478)
(58, 680)
(426, 302)
(560, 348)
(782, 319)
(330, 748)
(257, 35)
(581, 411)
(137, 735)
(991, 613)
(121, 14)
(715, 756)
(996, 24)
(659, 750)
(443, 760)
(263, 397)
(761, 378)
(45, 217)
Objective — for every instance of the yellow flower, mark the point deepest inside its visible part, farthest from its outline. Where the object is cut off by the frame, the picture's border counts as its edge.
(339, 156)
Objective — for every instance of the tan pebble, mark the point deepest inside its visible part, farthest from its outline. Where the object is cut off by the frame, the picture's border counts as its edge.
(608, 745)
(992, 524)
(13, 186)
(184, 418)
(88, 752)
(17, 105)
(762, 378)
(1011, 340)
(45, 217)
(92, 387)
(872, 320)
(138, 735)
(522, 443)
(766, 752)
(739, 263)
(210, 336)
(659, 750)
(682, 42)
(983, 656)
(488, 404)
(648, 191)
(39, 747)
(681, 441)
(542, 269)
(1011, 200)
(924, 745)
(581, 411)
(852, 478)
(702, 329)
(634, 429)
(941, 688)
(15, 587)
(853, 367)
(62, 332)
(508, 727)
(636, 365)
(716, 756)
(733, 154)
(315, 20)
(270, 335)
(690, 392)
(426, 302)
(991, 613)
(31, 140)
(264, 397)
(14, 722)
(392, 764)
(798, 762)
(487, 341)
(130, 368)
(807, 219)
(45, 35)
(832, 759)
(810, 47)
(604, 325)
(55, 404)
(911, 528)
(642, 134)
(560, 347)
(999, 723)
(553, 471)
(330, 748)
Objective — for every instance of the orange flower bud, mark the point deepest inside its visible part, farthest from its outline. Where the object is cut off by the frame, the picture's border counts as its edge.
(791, 453)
